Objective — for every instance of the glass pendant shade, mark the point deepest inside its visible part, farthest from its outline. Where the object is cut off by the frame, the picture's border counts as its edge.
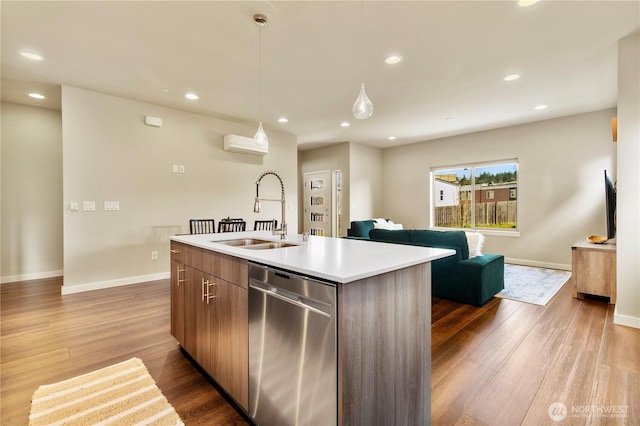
(362, 108)
(260, 136)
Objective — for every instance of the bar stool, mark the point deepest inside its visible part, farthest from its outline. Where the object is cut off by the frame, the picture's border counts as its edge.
(236, 225)
(202, 226)
(265, 225)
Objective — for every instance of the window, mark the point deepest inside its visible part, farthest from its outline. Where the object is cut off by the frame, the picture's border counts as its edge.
(476, 196)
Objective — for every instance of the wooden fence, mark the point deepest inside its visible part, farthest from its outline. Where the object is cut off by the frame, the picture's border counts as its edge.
(495, 214)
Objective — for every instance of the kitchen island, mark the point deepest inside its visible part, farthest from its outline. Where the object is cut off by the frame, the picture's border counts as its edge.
(382, 321)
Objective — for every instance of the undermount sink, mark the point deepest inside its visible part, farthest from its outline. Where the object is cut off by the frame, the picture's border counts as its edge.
(255, 244)
(242, 242)
(269, 245)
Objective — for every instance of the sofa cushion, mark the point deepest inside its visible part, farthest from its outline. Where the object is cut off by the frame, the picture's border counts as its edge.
(432, 238)
(361, 228)
(390, 236)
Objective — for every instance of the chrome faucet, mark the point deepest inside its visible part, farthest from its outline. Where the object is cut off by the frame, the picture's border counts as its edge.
(257, 206)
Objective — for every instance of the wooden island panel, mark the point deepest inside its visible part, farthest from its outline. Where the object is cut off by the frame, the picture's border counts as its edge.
(384, 349)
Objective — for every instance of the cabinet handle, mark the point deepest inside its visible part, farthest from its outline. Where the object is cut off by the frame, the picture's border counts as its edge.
(206, 296)
(215, 286)
(178, 270)
(175, 251)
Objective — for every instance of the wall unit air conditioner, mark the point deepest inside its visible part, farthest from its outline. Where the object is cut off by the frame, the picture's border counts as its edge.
(244, 145)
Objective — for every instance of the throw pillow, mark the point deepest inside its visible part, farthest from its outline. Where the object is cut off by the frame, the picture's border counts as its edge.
(386, 224)
(475, 241)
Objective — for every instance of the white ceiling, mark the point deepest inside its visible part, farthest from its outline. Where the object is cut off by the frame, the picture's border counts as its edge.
(451, 80)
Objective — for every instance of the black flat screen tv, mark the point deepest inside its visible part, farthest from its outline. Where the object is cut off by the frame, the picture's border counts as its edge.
(610, 194)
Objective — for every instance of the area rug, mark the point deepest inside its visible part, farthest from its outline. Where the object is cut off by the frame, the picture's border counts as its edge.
(532, 285)
(121, 394)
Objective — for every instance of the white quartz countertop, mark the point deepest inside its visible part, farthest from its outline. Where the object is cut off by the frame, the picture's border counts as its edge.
(339, 260)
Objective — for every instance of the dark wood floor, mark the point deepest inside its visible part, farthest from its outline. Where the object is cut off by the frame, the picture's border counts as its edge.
(502, 364)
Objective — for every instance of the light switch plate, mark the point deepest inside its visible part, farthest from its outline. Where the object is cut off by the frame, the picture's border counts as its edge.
(89, 206)
(112, 205)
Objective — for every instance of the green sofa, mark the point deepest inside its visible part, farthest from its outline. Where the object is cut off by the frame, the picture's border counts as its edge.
(460, 278)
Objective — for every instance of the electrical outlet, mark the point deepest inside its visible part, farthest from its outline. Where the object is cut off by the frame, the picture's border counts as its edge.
(154, 255)
(180, 168)
(73, 206)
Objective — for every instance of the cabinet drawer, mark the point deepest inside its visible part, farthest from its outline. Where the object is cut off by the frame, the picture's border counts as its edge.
(197, 258)
(233, 270)
(177, 252)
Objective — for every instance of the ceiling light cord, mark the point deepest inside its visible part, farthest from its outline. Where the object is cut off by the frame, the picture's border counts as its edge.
(260, 136)
(362, 107)
(362, 41)
(260, 77)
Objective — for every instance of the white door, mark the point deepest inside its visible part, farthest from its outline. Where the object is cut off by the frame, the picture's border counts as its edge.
(317, 203)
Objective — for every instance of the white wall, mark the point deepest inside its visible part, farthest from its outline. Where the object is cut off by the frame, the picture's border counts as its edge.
(628, 200)
(561, 189)
(31, 193)
(365, 181)
(110, 155)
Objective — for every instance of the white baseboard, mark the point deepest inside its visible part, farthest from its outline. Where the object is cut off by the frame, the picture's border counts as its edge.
(79, 288)
(625, 319)
(33, 276)
(548, 265)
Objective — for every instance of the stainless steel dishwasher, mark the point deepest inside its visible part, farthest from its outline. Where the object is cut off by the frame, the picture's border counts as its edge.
(292, 349)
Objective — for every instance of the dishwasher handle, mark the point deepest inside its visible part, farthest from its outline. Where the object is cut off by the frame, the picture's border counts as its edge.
(272, 291)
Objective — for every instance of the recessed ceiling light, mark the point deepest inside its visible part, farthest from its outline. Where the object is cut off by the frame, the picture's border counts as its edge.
(164, 90)
(393, 59)
(511, 77)
(283, 120)
(191, 96)
(36, 96)
(30, 54)
(392, 138)
(540, 107)
(345, 124)
(525, 3)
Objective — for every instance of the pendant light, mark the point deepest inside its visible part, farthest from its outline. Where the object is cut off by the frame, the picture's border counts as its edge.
(362, 108)
(260, 137)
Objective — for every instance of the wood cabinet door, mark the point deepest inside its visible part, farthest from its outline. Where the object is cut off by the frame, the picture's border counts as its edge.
(594, 272)
(177, 300)
(232, 341)
(196, 317)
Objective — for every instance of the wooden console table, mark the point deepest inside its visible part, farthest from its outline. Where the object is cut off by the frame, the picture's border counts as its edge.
(593, 269)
